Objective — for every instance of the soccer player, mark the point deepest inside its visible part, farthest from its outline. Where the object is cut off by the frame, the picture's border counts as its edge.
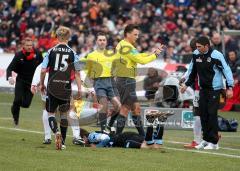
(129, 139)
(61, 61)
(197, 127)
(99, 67)
(24, 64)
(124, 140)
(210, 67)
(80, 110)
(34, 87)
(125, 69)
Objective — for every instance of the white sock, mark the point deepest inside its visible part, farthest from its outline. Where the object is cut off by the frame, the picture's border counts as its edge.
(74, 122)
(197, 129)
(47, 129)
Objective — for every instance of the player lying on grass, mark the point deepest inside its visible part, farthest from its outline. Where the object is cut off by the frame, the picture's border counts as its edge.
(129, 139)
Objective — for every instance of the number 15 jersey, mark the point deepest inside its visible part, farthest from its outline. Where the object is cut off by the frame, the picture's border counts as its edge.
(61, 62)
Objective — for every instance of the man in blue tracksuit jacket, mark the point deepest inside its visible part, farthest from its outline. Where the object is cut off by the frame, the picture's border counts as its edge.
(211, 67)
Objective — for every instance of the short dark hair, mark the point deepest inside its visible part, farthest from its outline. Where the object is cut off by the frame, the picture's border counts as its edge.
(84, 132)
(203, 40)
(193, 44)
(101, 34)
(129, 28)
(232, 50)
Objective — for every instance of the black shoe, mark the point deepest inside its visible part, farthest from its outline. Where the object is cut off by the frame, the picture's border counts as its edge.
(112, 130)
(78, 141)
(15, 124)
(47, 141)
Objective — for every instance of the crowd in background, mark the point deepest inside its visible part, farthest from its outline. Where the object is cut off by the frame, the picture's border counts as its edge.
(171, 22)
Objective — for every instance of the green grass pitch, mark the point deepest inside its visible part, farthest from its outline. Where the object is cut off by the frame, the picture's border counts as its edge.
(23, 149)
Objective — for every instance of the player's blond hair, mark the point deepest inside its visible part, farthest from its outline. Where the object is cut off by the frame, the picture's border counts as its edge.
(63, 33)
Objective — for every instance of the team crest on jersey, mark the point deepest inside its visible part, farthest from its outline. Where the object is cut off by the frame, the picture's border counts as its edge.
(209, 59)
(198, 60)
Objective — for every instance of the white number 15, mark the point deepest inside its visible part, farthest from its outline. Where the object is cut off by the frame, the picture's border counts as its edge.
(61, 66)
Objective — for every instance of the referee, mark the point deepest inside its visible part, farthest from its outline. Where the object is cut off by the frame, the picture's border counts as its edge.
(99, 67)
(210, 67)
(125, 69)
(24, 64)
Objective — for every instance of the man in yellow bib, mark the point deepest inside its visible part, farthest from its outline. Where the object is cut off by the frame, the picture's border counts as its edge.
(125, 69)
(99, 68)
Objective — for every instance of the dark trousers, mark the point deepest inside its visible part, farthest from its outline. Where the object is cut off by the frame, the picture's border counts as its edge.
(23, 98)
(208, 106)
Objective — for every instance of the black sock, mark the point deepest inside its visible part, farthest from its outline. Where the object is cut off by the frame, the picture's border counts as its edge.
(149, 135)
(160, 129)
(63, 128)
(15, 109)
(138, 124)
(103, 120)
(121, 120)
(113, 118)
(53, 124)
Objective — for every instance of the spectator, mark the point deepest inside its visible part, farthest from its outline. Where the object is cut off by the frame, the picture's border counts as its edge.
(234, 62)
(151, 83)
(3, 34)
(167, 21)
(216, 41)
(47, 26)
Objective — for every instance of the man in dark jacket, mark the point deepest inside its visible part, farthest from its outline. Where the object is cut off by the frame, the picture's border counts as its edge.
(24, 64)
(210, 67)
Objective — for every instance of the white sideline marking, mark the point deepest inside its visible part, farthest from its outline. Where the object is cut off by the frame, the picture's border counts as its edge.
(225, 136)
(5, 103)
(21, 130)
(204, 152)
(6, 118)
(170, 148)
(183, 143)
(230, 136)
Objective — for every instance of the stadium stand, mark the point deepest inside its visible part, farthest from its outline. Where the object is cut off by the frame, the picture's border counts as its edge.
(172, 22)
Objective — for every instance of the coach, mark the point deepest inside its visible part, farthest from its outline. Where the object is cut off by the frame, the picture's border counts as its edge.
(24, 64)
(211, 67)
